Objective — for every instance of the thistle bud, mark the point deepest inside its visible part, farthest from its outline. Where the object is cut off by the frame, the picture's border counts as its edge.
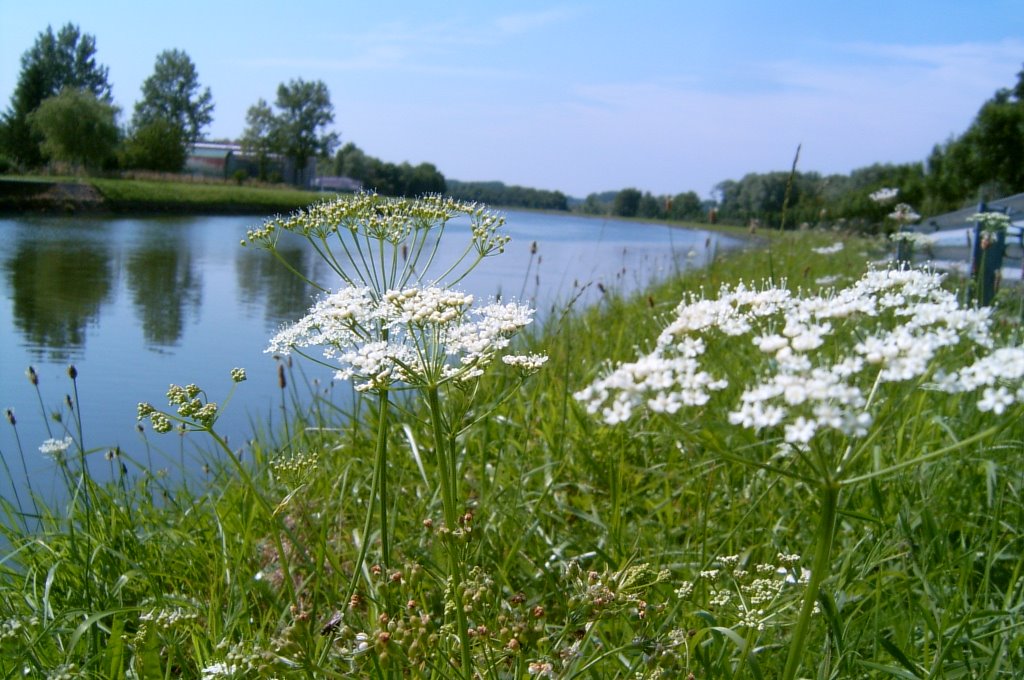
(72, 371)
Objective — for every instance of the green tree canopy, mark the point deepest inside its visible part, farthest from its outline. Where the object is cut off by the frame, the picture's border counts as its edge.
(987, 160)
(173, 93)
(686, 206)
(298, 131)
(627, 203)
(76, 127)
(54, 62)
(258, 137)
(157, 145)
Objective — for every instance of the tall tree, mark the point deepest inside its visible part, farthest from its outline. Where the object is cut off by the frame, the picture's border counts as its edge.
(173, 94)
(300, 126)
(76, 127)
(259, 135)
(67, 59)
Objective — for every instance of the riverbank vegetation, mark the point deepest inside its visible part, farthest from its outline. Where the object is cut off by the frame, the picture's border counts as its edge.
(791, 463)
(147, 194)
(155, 194)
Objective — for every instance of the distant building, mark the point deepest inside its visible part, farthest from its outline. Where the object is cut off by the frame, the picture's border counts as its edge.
(211, 159)
(338, 184)
(225, 160)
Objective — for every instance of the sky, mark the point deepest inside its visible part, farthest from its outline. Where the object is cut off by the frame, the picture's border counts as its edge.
(580, 97)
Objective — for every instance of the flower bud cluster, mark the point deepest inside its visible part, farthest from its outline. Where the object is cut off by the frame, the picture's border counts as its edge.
(190, 404)
(294, 469)
(595, 595)
(382, 218)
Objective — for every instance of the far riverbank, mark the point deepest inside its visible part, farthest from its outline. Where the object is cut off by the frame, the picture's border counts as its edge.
(135, 197)
(169, 197)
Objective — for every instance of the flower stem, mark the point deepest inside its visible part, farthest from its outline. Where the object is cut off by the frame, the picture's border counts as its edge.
(449, 496)
(819, 570)
(378, 492)
(381, 463)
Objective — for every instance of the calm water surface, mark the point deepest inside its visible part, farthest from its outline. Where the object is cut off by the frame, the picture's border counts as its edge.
(137, 304)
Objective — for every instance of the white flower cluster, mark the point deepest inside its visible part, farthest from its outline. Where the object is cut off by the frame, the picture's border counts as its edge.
(220, 669)
(168, 617)
(913, 237)
(754, 597)
(416, 336)
(836, 247)
(55, 447)
(13, 628)
(999, 375)
(811, 377)
(904, 214)
(884, 195)
(991, 222)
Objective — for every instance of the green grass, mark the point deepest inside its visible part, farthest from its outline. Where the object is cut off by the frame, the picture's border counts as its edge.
(577, 536)
(139, 193)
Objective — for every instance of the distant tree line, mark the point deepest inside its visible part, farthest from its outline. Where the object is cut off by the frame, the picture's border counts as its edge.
(631, 202)
(509, 196)
(382, 177)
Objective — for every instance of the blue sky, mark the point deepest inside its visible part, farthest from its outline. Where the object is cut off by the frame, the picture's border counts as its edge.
(578, 96)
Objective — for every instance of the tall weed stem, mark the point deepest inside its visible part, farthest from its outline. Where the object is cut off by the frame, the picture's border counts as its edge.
(829, 495)
(448, 469)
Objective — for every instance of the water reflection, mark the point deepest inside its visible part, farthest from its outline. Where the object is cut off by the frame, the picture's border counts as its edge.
(57, 289)
(185, 287)
(266, 284)
(164, 284)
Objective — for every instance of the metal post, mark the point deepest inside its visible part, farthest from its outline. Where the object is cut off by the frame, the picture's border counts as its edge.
(904, 253)
(987, 260)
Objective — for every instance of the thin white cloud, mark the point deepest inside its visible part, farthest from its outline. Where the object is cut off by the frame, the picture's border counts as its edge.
(942, 56)
(527, 22)
(673, 135)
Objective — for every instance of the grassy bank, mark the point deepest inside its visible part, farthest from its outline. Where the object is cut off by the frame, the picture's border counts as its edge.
(533, 538)
(64, 195)
(135, 195)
